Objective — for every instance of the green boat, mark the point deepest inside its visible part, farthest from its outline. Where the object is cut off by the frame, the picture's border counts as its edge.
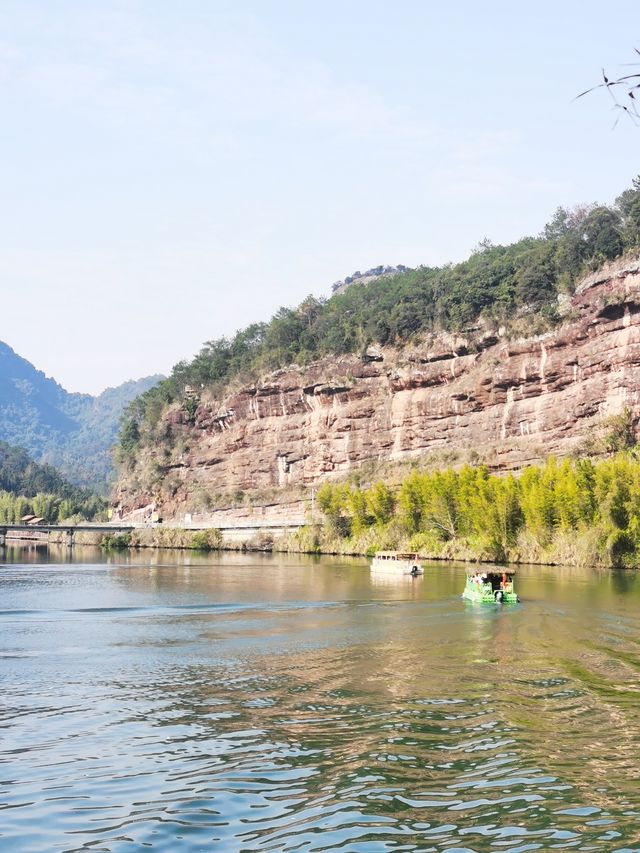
(491, 588)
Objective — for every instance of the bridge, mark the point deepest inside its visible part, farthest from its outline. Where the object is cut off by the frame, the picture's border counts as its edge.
(231, 532)
(31, 531)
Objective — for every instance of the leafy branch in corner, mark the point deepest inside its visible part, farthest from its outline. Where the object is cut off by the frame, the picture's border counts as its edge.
(624, 91)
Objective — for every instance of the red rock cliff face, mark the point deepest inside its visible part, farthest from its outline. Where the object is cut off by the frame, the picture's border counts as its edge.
(512, 401)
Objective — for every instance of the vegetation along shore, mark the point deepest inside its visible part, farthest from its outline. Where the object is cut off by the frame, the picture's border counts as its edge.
(573, 512)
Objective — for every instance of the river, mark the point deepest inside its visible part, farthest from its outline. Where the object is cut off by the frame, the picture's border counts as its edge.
(164, 701)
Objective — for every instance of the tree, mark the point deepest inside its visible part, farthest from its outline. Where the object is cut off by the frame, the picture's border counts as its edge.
(536, 278)
(602, 235)
(628, 203)
(332, 500)
(381, 503)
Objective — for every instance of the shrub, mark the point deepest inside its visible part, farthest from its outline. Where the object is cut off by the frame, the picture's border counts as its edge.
(619, 545)
(206, 540)
(116, 541)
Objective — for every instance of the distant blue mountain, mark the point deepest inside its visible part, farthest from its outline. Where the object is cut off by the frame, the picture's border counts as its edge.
(74, 432)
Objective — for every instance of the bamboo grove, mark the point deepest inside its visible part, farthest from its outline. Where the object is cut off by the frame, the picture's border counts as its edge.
(575, 511)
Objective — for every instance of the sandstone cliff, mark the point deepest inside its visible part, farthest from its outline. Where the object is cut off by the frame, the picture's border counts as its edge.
(511, 402)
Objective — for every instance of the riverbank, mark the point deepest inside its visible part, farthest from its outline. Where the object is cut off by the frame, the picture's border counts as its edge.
(580, 549)
(583, 547)
(576, 512)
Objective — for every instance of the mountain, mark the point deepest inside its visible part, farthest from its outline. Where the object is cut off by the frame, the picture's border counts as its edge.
(73, 432)
(519, 351)
(477, 397)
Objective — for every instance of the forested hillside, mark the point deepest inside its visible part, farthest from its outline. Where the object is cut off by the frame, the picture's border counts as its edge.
(520, 286)
(29, 488)
(22, 476)
(73, 432)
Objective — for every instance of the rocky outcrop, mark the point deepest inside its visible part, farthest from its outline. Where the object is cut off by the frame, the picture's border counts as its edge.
(511, 401)
(366, 277)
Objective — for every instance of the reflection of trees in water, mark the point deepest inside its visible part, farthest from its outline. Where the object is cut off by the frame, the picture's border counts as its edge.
(624, 581)
(26, 554)
(423, 706)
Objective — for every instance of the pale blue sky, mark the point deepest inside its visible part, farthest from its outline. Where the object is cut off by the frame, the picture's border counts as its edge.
(172, 171)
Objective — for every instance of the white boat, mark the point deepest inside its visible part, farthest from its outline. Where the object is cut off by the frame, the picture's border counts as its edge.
(395, 563)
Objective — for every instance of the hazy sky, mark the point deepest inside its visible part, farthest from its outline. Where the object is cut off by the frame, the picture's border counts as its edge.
(172, 171)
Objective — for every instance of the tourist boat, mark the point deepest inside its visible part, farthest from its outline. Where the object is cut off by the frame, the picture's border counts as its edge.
(491, 588)
(395, 563)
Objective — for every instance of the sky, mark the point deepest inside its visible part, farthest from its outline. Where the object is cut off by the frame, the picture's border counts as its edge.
(173, 171)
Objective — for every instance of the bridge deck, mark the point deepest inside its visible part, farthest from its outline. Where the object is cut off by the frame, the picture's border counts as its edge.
(230, 532)
(127, 528)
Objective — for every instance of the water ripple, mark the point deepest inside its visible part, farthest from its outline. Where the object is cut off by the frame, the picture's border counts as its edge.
(320, 725)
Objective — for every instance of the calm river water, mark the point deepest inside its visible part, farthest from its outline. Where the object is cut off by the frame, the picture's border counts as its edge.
(251, 703)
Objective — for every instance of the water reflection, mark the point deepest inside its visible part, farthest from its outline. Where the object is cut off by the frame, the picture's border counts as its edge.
(257, 703)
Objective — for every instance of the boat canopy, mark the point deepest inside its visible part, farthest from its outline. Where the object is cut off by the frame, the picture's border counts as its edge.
(494, 573)
(394, 555)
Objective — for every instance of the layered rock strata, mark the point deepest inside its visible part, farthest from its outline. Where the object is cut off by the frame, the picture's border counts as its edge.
(512, 401)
